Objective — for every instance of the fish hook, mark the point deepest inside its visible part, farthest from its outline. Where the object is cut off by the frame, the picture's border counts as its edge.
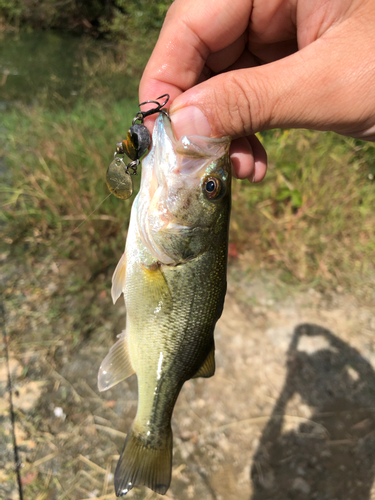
(141, 115)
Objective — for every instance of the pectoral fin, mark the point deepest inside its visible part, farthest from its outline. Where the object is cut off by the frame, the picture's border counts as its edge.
(157, 286)
(208, 368)
(116, 366)
(118, 279)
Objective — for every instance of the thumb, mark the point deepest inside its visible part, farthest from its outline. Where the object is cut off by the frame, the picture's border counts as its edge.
(324, 86)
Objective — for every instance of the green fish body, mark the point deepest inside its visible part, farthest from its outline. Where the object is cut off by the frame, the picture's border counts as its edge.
(173, 277)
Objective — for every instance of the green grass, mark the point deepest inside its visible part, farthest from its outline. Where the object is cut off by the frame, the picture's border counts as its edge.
(56, 163)
(312, 218)
(311, 222)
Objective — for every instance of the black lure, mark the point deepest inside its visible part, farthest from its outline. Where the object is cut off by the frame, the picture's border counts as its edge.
(135, 146)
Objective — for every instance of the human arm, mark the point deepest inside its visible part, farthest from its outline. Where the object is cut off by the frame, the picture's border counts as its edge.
(239, 67)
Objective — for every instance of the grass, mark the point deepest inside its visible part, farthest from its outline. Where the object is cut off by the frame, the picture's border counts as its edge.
(58, 161)
(312, 218)
(311, 221)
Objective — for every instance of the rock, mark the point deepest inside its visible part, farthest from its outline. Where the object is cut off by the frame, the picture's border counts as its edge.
(301, 485)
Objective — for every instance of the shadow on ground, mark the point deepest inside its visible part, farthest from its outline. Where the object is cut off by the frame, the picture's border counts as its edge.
(329, 454)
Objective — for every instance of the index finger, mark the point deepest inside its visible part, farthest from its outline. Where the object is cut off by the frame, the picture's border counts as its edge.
(191, 32)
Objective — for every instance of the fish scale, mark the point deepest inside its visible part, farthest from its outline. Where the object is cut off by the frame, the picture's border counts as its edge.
(173, 277)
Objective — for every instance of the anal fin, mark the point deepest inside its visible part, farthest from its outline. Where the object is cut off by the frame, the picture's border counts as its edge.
(208, 367)
(116, 366)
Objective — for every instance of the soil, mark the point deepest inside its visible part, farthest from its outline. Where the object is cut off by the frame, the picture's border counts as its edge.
(289, 414)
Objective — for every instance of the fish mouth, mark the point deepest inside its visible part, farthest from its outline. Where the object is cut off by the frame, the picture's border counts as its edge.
(153, 214)
(171, 168)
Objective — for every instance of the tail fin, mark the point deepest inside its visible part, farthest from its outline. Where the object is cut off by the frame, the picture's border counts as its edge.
(140, 464)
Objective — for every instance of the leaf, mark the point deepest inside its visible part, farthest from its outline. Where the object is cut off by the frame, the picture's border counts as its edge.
(296, 199)
(283, 194)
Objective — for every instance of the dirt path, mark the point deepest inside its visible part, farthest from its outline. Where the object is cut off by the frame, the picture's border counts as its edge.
(289, 414)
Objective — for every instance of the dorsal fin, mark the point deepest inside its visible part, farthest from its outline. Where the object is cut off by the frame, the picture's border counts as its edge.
(118, 279)
(208, 367)
(116, 366)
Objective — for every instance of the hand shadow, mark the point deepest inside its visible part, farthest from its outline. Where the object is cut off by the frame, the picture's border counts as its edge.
(330, 452)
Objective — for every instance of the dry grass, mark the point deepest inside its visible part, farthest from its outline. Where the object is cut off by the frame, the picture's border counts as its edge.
(313, 217)
(55, 198)
(310, 221)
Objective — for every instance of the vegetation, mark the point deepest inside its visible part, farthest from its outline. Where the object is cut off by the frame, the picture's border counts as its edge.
(58, 176)
(118, 19)
(310, 222)
(312, 217)
(128, 30)
(65, 103)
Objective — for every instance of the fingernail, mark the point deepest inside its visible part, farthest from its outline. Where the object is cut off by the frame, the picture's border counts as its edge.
(255, 174)
(190, 121)
(234, 173)
(259, 172)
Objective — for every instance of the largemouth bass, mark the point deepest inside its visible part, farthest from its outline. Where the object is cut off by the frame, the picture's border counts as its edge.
(173, 277)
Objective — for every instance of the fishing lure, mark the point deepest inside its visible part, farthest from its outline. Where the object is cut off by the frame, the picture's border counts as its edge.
(135, 147)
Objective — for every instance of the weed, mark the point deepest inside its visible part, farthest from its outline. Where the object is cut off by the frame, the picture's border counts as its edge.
(313, 215)
(58, 162)
(311, 220)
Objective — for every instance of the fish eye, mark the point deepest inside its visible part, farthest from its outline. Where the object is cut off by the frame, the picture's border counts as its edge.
(212, 187)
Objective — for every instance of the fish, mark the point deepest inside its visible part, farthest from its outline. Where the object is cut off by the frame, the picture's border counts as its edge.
(173, 278)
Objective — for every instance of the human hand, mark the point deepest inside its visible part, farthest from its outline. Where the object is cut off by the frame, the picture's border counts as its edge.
(241, 66)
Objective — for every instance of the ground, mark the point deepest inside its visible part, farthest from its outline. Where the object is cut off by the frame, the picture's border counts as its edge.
(289, 413)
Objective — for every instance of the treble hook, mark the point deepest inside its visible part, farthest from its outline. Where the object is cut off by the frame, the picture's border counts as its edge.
(141, 115)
